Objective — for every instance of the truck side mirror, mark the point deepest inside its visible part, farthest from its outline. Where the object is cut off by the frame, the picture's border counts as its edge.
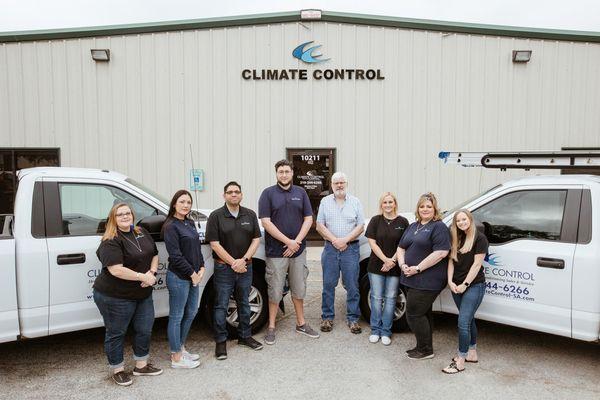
(153, 224)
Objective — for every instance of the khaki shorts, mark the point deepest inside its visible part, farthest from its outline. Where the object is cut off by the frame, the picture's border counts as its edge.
(296, 271)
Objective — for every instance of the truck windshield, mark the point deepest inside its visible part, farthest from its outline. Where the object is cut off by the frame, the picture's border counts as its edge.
(464, 203)
(163, 199)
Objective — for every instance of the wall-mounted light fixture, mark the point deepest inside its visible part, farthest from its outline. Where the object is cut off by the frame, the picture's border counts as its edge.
(521, 56)
(310, 15)
(100, 54)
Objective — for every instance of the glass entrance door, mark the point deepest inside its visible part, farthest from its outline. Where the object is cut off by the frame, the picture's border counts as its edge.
(312, 171)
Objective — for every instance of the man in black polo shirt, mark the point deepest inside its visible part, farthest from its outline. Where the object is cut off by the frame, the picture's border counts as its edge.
(234, 235)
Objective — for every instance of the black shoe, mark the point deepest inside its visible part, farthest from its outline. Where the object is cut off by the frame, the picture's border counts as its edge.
(411, 350)
(251, 343)
(221, 351)
(417, 355)
(148, 370)
(122, 378)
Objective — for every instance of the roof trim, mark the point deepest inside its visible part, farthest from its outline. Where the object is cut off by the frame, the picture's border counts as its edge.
(294, 16)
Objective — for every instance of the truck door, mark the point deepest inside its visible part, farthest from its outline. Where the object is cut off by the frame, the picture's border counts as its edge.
(9, 317)
(78, 222)
(532, 235)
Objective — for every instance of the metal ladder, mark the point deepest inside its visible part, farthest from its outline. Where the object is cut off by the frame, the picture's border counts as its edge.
(567, 159)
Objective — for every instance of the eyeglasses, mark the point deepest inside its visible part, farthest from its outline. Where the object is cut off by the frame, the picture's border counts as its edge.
(124, 214)
(230, 192)
(428, 196)
(339, 183)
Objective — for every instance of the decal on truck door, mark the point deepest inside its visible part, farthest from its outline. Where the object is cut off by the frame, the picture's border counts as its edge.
(505, 281)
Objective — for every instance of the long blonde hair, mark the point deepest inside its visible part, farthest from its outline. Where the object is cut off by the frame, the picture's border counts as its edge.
(111, 223)
(456, 234)
(383, 196)
(437, 214)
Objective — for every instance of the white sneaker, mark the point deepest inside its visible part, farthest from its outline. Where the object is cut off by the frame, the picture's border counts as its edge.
(190, 356)
(184, 363)
(374, 338)
(386, 340)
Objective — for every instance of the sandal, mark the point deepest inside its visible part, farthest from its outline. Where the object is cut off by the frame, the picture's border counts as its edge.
(469, 361)
(452, 369)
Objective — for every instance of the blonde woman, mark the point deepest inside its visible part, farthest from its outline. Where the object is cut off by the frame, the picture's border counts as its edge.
(466, 280)
(123, 292)
(422, 258)
(384, 232)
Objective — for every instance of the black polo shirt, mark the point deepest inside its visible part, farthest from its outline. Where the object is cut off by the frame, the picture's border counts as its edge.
(234, 234)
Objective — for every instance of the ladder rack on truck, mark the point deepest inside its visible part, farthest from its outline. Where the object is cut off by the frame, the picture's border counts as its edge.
(525, 160)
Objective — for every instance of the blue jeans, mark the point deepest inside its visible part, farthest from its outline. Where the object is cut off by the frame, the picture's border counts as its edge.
(117, 315)
(228, 282)
(384, 290)
(468, 303)
(183, 306)
(333, 262)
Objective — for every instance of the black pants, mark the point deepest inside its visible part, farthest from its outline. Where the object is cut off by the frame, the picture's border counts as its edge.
(418, 316)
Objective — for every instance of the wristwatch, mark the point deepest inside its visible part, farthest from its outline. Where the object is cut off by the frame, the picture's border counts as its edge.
(467, 284)
(246, 259)
(418, 269)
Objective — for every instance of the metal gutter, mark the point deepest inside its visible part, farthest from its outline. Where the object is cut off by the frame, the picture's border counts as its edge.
(294, 16)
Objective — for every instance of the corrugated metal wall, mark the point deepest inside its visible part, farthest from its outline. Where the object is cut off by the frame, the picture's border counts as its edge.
(164, 92)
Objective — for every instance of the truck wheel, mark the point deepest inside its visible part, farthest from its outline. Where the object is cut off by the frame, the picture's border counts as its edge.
(259, 306)
(399, 323)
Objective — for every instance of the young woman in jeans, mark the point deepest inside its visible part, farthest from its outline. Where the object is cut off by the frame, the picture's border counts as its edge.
(186, 268)
(422, 258)
(467, 284)
(384, 232)
(123, 292)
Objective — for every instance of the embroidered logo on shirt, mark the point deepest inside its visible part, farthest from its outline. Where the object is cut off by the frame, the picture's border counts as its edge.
(245, 223)
(296, 198)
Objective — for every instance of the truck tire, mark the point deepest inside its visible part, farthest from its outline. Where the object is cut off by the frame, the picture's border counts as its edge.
(399, 323)
(259, 304)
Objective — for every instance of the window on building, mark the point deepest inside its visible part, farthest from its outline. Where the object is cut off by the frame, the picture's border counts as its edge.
(528, 214)
(14, 159)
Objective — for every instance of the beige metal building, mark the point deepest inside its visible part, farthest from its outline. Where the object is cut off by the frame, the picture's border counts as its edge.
(173, 93)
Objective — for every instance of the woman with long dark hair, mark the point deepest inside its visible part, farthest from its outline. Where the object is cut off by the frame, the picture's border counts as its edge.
(123, 291)
(186, 269)
(466, 280)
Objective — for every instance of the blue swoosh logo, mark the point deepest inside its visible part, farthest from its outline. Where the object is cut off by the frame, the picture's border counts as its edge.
(493, 260)
(307, 55)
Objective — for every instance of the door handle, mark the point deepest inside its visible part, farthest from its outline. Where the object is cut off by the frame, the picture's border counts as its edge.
(555, 263)
(65, 259)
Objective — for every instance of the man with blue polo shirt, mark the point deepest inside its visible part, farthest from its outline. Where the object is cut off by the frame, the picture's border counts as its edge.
(340, 221)
(286, 214)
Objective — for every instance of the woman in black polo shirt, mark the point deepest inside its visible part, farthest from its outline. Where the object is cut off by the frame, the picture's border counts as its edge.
(422, 258)
(123, 291)
(466, 280)
(186, 268)
(384, 232)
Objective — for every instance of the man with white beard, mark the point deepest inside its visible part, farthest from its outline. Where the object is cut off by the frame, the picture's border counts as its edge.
(340, 221)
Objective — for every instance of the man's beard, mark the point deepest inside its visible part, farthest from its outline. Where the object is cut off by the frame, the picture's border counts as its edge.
(339, 192)
(284, 184)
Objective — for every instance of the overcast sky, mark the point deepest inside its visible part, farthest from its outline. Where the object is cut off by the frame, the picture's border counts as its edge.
(19, 15)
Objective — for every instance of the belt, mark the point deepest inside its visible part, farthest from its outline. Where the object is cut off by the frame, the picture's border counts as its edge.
(351, 242)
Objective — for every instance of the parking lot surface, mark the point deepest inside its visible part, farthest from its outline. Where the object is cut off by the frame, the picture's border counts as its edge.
(514, 364)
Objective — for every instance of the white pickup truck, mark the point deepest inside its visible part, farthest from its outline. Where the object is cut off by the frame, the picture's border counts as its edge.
(48, 248)
(543, 264)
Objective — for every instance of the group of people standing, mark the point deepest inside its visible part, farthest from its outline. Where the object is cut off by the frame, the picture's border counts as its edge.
(414, 256)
